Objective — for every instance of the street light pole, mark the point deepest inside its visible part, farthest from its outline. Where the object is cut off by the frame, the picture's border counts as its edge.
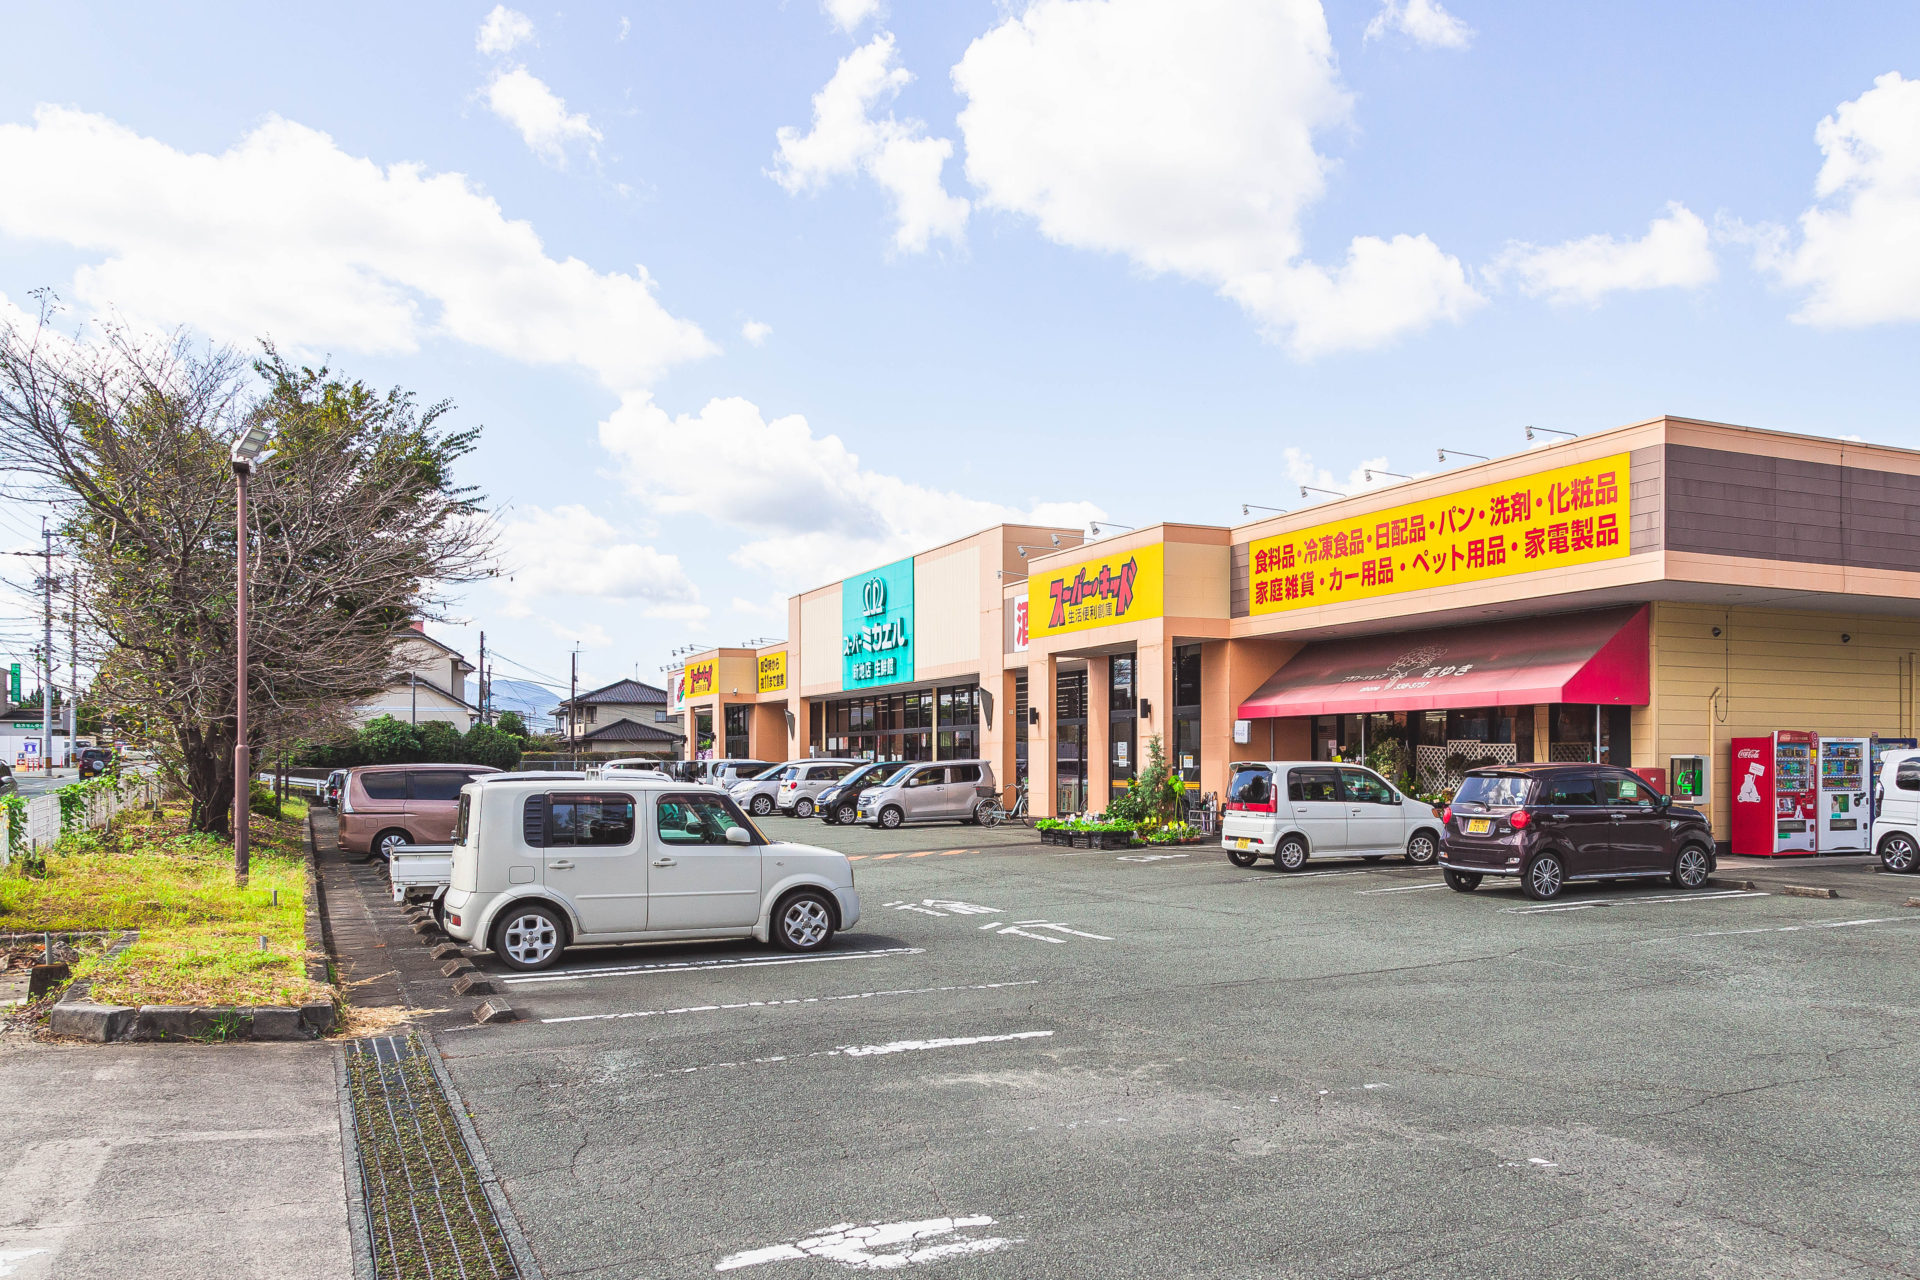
(242, 753)
(247, 450)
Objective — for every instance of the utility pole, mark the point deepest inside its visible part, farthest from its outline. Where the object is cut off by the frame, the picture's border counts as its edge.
(46, 654)
(481, 672)
(413, 692)
(573, 711)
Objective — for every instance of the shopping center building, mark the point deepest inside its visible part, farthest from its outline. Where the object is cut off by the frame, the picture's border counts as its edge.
(1639, 596)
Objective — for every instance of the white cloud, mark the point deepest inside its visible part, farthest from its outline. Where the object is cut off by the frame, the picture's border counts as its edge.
(540, 115)
(756, 331)
(813, 511)
(570, 551)
(1422, 21)
(503, 29)
(626, 29)
(847, 138)
(588, 636)
(1302, 471)
(1859, 254)
(1676, 252)
(848, 15)
(1181, 134)
(774, 606)
(285, 234)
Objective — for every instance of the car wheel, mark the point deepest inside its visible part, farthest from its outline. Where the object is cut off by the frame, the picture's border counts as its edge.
(804, 921)
(890, 817)
(803, 808)
(846, 815)
(530, 936)
(1691, 868)
(1243, 857)
(1291, 855)
(761, 806)
(1460, 881)
(1898, 853)
(387, 841)
(1544, 877)
(1422, 849)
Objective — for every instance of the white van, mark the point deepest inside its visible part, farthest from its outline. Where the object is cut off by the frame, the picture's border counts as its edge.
(1292, 810)
(1896, 812)
(540, 865)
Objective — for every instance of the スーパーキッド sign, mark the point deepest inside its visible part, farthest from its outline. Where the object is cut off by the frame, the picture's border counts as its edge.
(1125, 586)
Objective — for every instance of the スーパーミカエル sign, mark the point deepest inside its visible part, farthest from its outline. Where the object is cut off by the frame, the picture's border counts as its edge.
(1122, 587)
(1571, 515)
(877, 627)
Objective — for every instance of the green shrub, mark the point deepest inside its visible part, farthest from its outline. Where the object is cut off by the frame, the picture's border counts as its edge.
(484, 744)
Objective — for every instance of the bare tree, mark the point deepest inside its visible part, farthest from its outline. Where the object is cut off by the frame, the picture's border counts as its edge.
(357, 526)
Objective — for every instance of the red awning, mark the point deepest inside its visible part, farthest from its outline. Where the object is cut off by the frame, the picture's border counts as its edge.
(1570, 657)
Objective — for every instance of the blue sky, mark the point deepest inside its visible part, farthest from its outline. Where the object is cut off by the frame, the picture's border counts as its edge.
(1133, 259)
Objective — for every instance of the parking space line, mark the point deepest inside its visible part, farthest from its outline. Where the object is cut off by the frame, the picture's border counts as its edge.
(1546, 908)
(1403, 888)
(860, 1051)
(777, 1004)
(1791, 928)
(684, 966)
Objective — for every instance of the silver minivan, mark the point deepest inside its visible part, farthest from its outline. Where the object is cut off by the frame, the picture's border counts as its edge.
(949, 791)
(800, 789)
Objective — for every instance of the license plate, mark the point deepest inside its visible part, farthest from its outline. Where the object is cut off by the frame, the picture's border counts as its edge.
(1479, 826)
(1242, 843)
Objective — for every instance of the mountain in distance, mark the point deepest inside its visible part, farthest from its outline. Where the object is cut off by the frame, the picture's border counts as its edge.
(534, 702)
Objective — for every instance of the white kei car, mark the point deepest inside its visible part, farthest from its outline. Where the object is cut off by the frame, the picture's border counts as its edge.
(540, 865)
(1292, 810)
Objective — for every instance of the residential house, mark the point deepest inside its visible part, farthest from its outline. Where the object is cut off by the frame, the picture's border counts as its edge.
(625, 718)
(429, 682)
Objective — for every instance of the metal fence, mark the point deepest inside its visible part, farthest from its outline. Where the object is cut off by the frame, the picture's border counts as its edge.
(97, 808)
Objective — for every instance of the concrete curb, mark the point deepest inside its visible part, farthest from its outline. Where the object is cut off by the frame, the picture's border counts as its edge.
(1808, 891)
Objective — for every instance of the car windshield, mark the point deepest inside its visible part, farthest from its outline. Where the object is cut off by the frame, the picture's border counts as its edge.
(1494, 790)
(898, 776)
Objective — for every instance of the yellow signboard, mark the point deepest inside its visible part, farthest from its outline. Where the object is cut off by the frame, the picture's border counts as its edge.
(773, 671)
(1571, 515)
(702, 679)
(1121, 587)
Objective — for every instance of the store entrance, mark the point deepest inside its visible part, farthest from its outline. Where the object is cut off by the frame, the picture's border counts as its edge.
(1070, 742)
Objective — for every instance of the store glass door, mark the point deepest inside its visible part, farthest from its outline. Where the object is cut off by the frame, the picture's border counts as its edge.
(1070, 743)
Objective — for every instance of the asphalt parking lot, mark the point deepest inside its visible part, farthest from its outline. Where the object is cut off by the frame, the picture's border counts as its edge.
(1036, 1062)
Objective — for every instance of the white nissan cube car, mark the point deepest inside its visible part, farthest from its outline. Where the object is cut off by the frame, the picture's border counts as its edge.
(1896, 812)
(540, 865)
(1294, 810)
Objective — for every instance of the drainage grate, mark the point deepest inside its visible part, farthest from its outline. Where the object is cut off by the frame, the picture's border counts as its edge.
(428, 1217)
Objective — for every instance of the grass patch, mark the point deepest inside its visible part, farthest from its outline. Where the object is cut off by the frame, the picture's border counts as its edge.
(199, 931)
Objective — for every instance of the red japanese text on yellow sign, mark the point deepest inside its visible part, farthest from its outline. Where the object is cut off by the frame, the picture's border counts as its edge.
(1571, 515)
(702, 678)
(1123, 587)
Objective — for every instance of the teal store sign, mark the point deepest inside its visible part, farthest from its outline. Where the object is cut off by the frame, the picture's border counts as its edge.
(876, 627)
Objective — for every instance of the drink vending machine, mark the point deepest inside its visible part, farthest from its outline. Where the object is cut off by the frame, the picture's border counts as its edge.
(1773, 787)
(1877, 756)
(1844, 809)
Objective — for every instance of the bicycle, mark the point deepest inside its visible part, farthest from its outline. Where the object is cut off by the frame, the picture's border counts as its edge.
(993, 812)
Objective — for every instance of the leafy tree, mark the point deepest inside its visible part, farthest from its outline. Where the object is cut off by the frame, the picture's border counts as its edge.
(355, 524)
(386, 740)
(510, 723)
(485, 744)
(439, 743)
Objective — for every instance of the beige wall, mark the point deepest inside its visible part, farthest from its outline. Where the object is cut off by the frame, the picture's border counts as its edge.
(819, 640)
(1776, 669)
(947, 602)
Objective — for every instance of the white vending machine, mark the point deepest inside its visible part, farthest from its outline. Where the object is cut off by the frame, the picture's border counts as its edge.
(1844, 805)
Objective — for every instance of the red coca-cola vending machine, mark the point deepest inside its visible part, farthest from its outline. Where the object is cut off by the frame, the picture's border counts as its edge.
(1773, 794)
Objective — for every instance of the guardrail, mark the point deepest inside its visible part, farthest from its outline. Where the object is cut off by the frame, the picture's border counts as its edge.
(42, 819)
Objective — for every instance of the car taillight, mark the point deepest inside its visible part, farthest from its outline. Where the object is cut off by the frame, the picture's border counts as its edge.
(452, 918)
(1446, 814)
(1520, 819)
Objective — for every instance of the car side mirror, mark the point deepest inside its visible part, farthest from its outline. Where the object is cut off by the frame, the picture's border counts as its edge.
(1663, 802)
(738, 835)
